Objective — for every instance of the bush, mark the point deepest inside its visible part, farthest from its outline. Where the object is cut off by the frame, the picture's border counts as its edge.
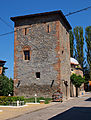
(10, 99)
(47, 100)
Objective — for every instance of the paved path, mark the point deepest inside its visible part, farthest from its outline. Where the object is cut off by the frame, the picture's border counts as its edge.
(11, 112)
(74, 109)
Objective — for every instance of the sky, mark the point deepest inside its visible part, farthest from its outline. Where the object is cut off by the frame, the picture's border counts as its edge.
(12, 8)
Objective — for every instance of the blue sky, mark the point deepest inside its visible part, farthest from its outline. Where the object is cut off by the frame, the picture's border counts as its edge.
(9, 8)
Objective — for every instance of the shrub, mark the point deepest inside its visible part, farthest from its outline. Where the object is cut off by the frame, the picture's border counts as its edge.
(47, 100)
(10, 99)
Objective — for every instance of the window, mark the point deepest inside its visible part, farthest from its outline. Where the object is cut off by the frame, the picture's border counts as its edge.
(27, 55)
(37, 74)
(48, 28)
(26, 50)
(62, 51)
(25, 31)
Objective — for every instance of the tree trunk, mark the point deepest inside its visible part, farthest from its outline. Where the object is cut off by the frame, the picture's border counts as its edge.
(76, 91)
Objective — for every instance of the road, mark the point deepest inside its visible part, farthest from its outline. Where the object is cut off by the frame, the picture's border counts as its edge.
(73, 109)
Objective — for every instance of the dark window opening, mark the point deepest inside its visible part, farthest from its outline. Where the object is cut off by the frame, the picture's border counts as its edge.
(62, 51)
(26, 55)
(48, 28)
(18, 84)
(37, 74)
(25, 31)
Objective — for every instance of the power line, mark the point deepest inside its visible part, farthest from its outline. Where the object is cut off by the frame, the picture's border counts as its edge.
(7, 33)
(78, 11)
(5, 22)
(26, 27)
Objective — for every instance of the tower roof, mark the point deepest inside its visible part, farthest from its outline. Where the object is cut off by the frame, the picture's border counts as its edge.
(1, 61)
(59, 12)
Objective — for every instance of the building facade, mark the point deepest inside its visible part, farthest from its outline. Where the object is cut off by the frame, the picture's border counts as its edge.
(2, 68)
(41, 54)
(76, 69)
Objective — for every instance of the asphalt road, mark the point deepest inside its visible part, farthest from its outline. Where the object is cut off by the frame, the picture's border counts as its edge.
(73, 109)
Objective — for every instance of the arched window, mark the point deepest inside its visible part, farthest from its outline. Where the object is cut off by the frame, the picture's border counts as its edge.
(26, 53)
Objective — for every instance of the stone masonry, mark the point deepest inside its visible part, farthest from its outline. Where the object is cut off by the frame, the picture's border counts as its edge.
(46, 36)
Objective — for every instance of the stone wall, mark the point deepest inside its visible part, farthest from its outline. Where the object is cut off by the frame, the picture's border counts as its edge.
(65, 61)
(49, 55)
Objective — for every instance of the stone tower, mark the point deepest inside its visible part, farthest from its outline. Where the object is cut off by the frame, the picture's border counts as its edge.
(41, 54)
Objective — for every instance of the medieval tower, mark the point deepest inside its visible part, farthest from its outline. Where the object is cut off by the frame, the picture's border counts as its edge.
(41, 54)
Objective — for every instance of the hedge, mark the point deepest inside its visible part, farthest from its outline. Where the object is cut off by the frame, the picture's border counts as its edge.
(8, 100)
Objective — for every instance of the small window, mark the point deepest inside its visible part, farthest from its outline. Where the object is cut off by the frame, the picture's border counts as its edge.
(37, 74)
(25, 31)
(62, 51)
(27, 55)
(48, 28)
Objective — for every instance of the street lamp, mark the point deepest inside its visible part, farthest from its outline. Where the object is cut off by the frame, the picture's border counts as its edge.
(35, 98)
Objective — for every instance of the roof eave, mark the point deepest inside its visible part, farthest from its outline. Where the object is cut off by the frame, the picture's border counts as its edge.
(1, 61)
(42, 14)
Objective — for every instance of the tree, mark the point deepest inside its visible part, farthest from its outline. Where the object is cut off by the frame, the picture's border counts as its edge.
(78, 32)
(77, 80)
(88, 50)
(6, 86)
(71, 37)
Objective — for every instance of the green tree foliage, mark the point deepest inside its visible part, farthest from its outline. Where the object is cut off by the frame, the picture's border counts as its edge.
(78, 32)
(86, 74)
(88, 50)
(71, 37)
(6, 86)
(77, 80)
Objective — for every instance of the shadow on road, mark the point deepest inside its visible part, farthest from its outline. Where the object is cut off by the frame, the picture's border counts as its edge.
(89, 99)
(75, 113)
